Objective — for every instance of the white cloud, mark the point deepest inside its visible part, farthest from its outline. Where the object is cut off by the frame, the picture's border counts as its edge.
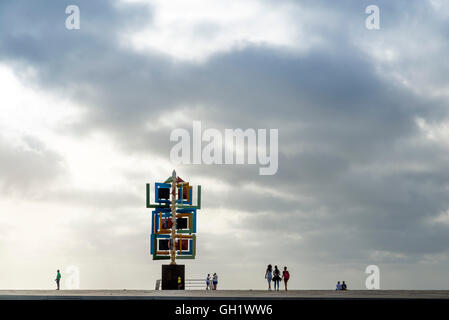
(93, 161)
(195, 30)
(436, 132)
(29, 111)
(441, 7)
(443, 218)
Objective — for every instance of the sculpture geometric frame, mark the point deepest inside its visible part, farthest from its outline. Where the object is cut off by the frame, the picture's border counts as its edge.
(173, 239)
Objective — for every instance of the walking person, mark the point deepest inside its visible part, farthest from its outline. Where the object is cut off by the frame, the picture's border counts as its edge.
(276, 277)
(58, 279)
(269, 275)
(285, 276)
(215, 281)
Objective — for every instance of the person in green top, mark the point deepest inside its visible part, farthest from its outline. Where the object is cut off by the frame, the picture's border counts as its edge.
(58, 278)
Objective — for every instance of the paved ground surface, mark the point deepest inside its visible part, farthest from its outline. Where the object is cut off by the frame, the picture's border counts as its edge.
(224, 294)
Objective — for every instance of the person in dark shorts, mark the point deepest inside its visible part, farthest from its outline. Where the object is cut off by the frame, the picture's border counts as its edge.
(215, 281)
(58, 279)
(343, 286)
(285, 276)
(276, 277)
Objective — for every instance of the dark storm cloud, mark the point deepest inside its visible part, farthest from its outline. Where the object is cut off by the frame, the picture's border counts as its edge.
(94, 199)
(350, 123)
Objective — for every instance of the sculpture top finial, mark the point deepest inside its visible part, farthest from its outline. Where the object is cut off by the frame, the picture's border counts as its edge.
(173, 175)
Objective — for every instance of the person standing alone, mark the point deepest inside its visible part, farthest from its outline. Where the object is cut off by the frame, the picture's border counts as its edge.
(58, 278)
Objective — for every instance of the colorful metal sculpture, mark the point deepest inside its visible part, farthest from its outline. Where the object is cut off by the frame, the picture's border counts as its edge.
(173, 238)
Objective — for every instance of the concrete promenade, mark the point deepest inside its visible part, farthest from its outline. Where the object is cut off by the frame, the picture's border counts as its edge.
(220, 294)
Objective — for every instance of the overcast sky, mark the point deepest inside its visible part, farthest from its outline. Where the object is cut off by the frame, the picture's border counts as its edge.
(363, 121)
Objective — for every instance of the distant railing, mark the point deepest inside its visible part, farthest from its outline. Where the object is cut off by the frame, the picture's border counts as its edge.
(195, 284)
(189, 284)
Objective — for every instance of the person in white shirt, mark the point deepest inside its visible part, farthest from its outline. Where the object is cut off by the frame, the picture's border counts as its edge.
(208, 281)
(338, 286)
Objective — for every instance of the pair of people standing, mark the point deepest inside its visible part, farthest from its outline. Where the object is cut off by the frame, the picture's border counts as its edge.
(341, 286)
(275, 276)
(211, 282)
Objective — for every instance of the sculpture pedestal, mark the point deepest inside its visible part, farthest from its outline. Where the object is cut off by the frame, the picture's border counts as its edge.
(170, 275)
